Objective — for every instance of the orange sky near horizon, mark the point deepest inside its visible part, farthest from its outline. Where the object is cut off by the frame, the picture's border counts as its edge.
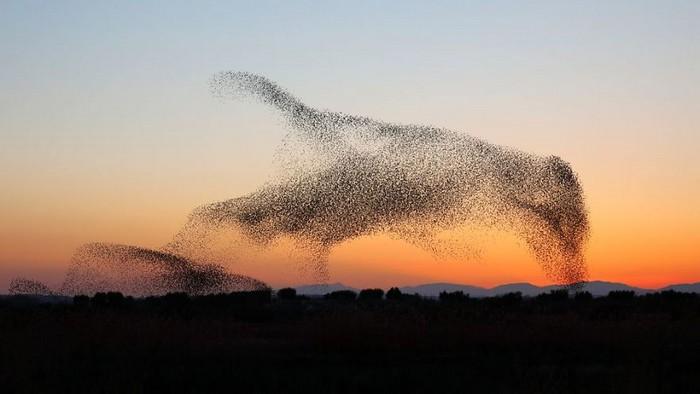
(629, 243)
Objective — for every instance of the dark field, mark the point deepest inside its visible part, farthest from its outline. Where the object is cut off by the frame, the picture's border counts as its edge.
(252, 342)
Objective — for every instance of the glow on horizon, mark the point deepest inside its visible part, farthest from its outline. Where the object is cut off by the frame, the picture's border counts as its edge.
(108, 131)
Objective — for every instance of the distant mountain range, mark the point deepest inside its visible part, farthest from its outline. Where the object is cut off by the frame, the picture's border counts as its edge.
(597, 288)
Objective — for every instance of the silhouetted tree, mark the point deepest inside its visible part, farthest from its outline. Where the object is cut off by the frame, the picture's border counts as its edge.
(112, 299)
(341, 295)
(583, 296)
(621, 295)
(554, 296)
(175, 301)
(99, 299)
(371, 295)
(115, 299)
(287, 293)
(394, 294)
(254, 297)
(511, 299)
(454, 296)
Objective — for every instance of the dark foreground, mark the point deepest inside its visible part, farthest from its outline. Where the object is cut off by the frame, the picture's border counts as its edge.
(256, 343)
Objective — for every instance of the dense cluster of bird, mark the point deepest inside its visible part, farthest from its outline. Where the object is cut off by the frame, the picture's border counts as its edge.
(20, 286)
(140, 271)
(367, 176)
(102, 267)
(360, 176)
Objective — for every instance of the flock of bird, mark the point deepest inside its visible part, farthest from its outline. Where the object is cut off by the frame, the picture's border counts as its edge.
(365, 177)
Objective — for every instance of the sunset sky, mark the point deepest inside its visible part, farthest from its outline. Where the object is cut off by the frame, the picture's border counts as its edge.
(108, 130)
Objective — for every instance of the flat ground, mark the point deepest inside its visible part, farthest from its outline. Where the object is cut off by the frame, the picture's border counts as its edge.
(616, 344)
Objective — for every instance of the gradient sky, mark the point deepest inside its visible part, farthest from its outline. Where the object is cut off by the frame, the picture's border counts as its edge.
(108, 131)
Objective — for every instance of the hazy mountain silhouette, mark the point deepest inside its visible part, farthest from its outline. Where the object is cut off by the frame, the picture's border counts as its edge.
(601, 288)
(597, 288)
(684, 287)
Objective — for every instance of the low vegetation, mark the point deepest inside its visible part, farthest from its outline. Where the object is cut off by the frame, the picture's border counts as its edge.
(347, 342)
